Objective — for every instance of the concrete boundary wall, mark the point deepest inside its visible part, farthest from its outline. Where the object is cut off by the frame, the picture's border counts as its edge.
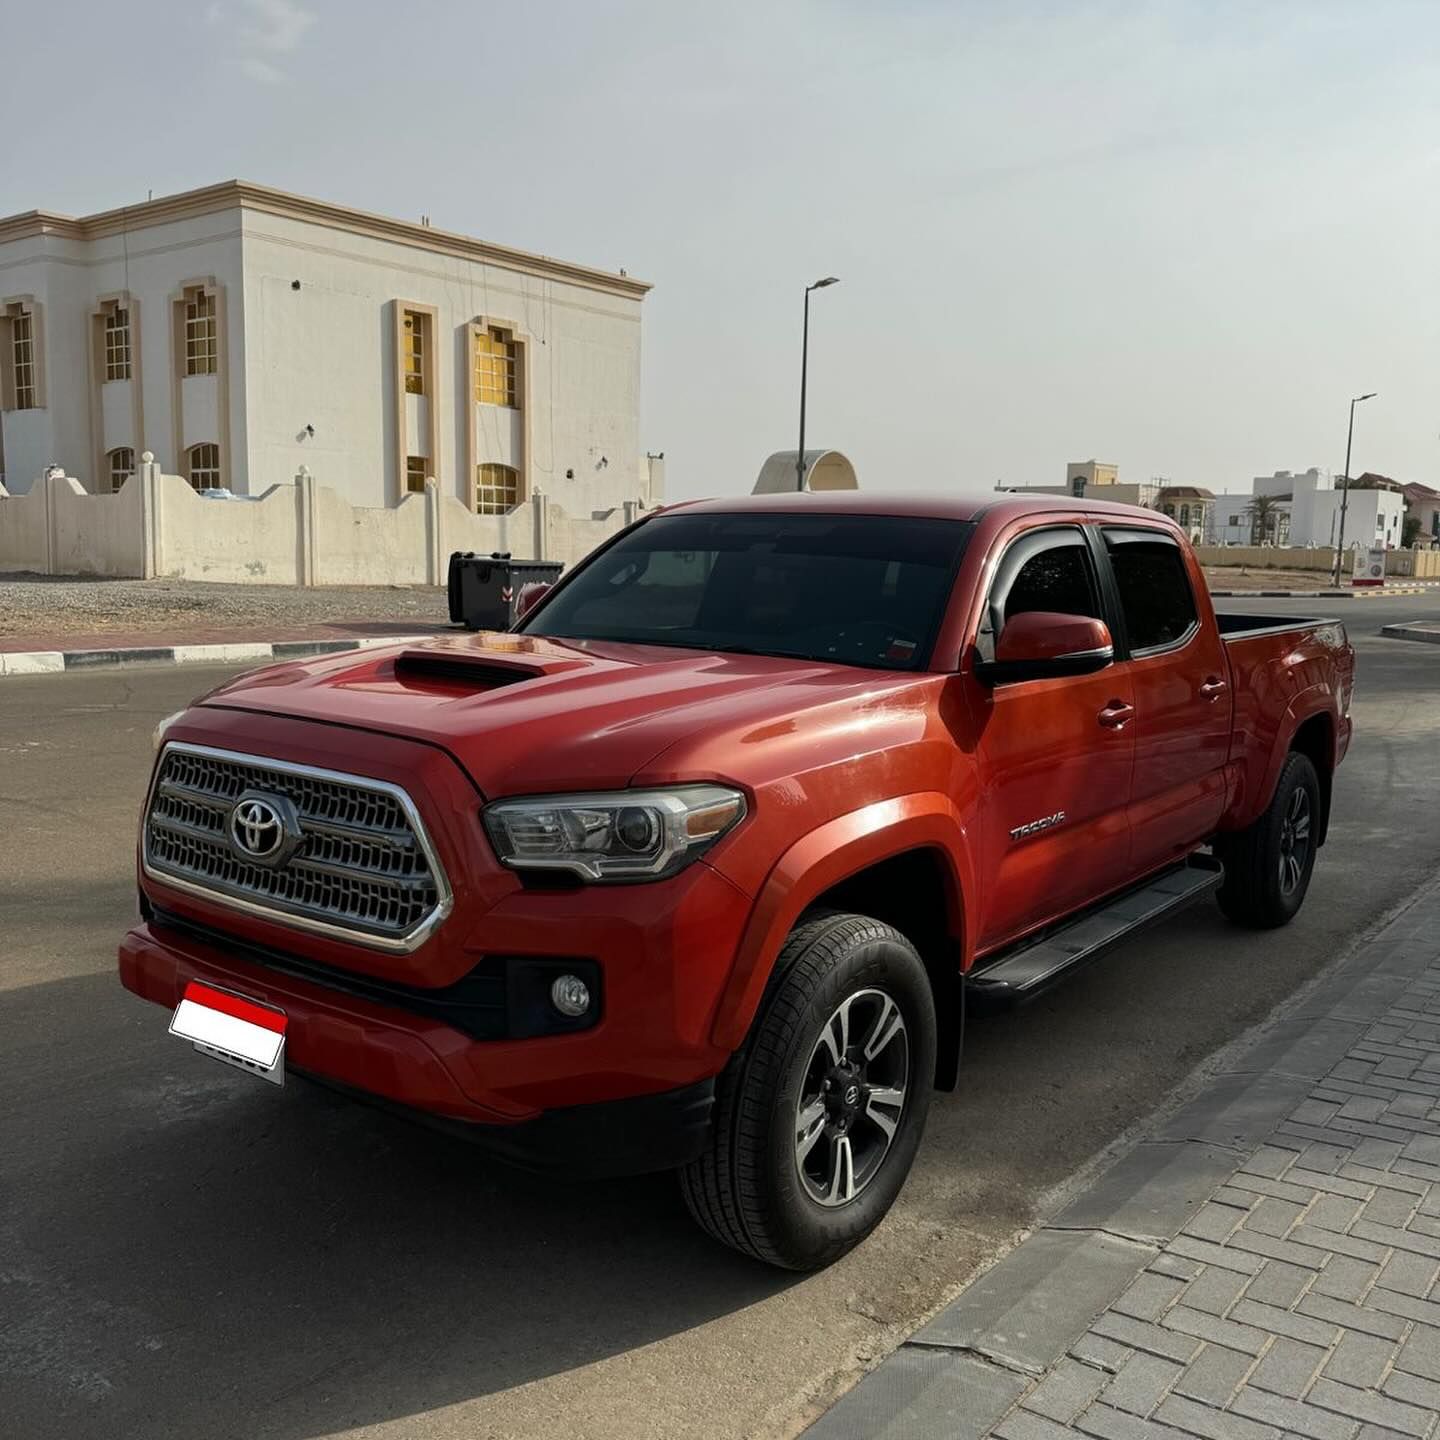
(1421, 564)
(302, 533)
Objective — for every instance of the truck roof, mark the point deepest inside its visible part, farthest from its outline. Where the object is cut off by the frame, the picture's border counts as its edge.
(911, 504)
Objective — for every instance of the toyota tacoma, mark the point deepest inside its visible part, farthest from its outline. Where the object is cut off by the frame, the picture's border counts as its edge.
(698, 865)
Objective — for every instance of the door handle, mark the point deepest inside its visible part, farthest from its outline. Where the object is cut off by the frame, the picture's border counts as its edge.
(1212, 687)
(1116, 714)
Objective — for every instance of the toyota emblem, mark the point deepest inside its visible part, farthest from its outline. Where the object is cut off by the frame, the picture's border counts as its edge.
(263, 828)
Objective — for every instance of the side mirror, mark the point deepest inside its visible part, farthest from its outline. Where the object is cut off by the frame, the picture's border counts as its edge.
(530, 596)
(1041, 645)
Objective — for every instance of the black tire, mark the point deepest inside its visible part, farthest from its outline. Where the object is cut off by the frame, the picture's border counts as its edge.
(751, 1189)
(1268, 866)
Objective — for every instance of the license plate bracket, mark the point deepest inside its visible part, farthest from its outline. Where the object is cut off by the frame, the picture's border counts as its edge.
(233, 1029)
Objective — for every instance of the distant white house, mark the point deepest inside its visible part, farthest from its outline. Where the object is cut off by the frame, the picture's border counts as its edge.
(239, 332)
(1234, 520)
(1306, 508)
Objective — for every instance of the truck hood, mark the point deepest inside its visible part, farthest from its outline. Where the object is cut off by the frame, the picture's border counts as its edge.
(527, 715)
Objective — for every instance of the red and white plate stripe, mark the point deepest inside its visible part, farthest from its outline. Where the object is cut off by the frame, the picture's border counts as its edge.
(230, 1023)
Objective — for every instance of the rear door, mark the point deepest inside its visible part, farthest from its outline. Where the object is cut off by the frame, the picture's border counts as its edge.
(1183, 703)
(1054, 756)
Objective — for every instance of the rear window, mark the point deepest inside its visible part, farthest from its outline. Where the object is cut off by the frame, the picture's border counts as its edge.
(849, 589)
(1155, 594)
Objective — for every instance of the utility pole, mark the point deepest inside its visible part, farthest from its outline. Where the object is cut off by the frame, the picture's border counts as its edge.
(804, 367)
(1345, 493)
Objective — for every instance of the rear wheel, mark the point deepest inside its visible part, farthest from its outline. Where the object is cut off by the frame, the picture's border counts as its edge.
(1268, 865)
(819, 1115)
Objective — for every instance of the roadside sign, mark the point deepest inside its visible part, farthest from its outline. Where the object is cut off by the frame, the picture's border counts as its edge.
(1369, 567)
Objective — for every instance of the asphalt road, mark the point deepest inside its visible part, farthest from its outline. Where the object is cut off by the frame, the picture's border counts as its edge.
(187, 1252)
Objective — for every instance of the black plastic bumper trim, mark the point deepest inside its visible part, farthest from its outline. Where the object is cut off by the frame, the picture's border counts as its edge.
(606, 1140)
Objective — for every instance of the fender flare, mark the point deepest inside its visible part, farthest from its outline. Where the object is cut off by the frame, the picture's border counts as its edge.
(1316, 700)
(821, 859)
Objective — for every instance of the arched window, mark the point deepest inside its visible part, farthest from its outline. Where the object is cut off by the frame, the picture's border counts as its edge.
(1184, 514)
(202, 466)
(121, 466)
(497, 489)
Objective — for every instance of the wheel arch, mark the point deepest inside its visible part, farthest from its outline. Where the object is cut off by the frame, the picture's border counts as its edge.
(864, 862)
(916, 892)
(1314, 738)
(1308, 726)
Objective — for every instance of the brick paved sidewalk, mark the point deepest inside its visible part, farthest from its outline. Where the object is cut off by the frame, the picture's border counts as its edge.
(1299, 1299)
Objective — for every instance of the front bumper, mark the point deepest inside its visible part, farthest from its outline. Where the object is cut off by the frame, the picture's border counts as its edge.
(627, 1094)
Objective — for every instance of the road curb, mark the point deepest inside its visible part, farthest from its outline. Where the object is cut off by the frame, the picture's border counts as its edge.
(1378, 592)
(1412, 631)
(55, 662)
(964, 1370)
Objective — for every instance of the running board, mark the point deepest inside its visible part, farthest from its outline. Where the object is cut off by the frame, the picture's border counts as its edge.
(1023, 973)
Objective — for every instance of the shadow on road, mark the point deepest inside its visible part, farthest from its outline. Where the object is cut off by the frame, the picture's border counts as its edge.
(180, 1237)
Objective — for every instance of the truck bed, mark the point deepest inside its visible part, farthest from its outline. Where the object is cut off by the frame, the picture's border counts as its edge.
(1241, 627)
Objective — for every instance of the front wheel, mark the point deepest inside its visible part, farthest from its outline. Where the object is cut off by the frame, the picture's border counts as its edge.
(1268, 865)
(819, 1115)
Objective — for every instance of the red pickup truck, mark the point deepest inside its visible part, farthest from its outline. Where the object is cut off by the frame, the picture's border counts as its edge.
(696, 867)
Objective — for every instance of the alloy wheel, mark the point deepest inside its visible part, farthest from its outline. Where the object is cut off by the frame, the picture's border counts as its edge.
(1294, 840)
(852, 1097)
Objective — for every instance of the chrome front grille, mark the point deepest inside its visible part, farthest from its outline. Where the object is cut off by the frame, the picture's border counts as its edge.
(362, 866)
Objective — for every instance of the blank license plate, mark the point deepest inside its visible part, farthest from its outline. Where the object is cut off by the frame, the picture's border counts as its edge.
(231, 1028)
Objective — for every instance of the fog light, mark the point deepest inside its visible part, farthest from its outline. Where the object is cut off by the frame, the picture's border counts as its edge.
(570, 995)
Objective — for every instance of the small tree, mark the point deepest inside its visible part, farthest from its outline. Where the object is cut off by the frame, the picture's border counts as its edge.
(1264, 513)
(1410, 531)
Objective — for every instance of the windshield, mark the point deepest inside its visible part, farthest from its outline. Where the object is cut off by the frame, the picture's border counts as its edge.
(847, 589)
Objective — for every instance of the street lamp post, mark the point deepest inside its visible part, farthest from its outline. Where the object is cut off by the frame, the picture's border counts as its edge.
(804, 364)
(1345, 493)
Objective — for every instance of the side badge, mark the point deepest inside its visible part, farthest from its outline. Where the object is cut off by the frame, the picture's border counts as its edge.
(1034, 827)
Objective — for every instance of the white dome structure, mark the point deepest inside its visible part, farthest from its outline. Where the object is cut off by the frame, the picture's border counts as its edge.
(824, 470)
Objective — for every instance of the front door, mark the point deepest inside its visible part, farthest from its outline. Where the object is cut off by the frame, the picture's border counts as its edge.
(1053, 756)
(1183, 704)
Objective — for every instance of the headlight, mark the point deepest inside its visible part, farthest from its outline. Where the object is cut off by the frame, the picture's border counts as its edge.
(162, 729)
(624, 835)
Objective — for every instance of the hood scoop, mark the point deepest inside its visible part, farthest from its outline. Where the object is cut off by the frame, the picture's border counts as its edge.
(487, 672)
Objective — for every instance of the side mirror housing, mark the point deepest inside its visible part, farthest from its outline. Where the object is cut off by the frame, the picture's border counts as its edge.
(530, 596)
(1043, 645)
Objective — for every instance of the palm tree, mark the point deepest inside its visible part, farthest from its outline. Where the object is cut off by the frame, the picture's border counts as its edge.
(1264, 513)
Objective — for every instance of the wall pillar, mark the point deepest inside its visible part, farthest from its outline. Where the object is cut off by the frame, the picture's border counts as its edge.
(435, 564)
(49, 480)
(147, 482)
(306, 536)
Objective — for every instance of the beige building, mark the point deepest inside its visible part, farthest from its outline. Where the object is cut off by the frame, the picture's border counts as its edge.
(1094, 480)
(239, 332)
(1083, 476)
(1190, 506)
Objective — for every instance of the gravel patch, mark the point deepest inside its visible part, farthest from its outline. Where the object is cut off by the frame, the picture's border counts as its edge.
(66, 605)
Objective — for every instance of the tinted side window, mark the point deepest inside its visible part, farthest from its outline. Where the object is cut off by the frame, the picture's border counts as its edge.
(1155, 594)
(1056, 579)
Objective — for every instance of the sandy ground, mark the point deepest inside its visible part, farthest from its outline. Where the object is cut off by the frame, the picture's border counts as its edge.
(1254, 577)
(60, 606)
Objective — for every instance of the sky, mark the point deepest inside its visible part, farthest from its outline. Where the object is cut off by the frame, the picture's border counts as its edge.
(1175, 236)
